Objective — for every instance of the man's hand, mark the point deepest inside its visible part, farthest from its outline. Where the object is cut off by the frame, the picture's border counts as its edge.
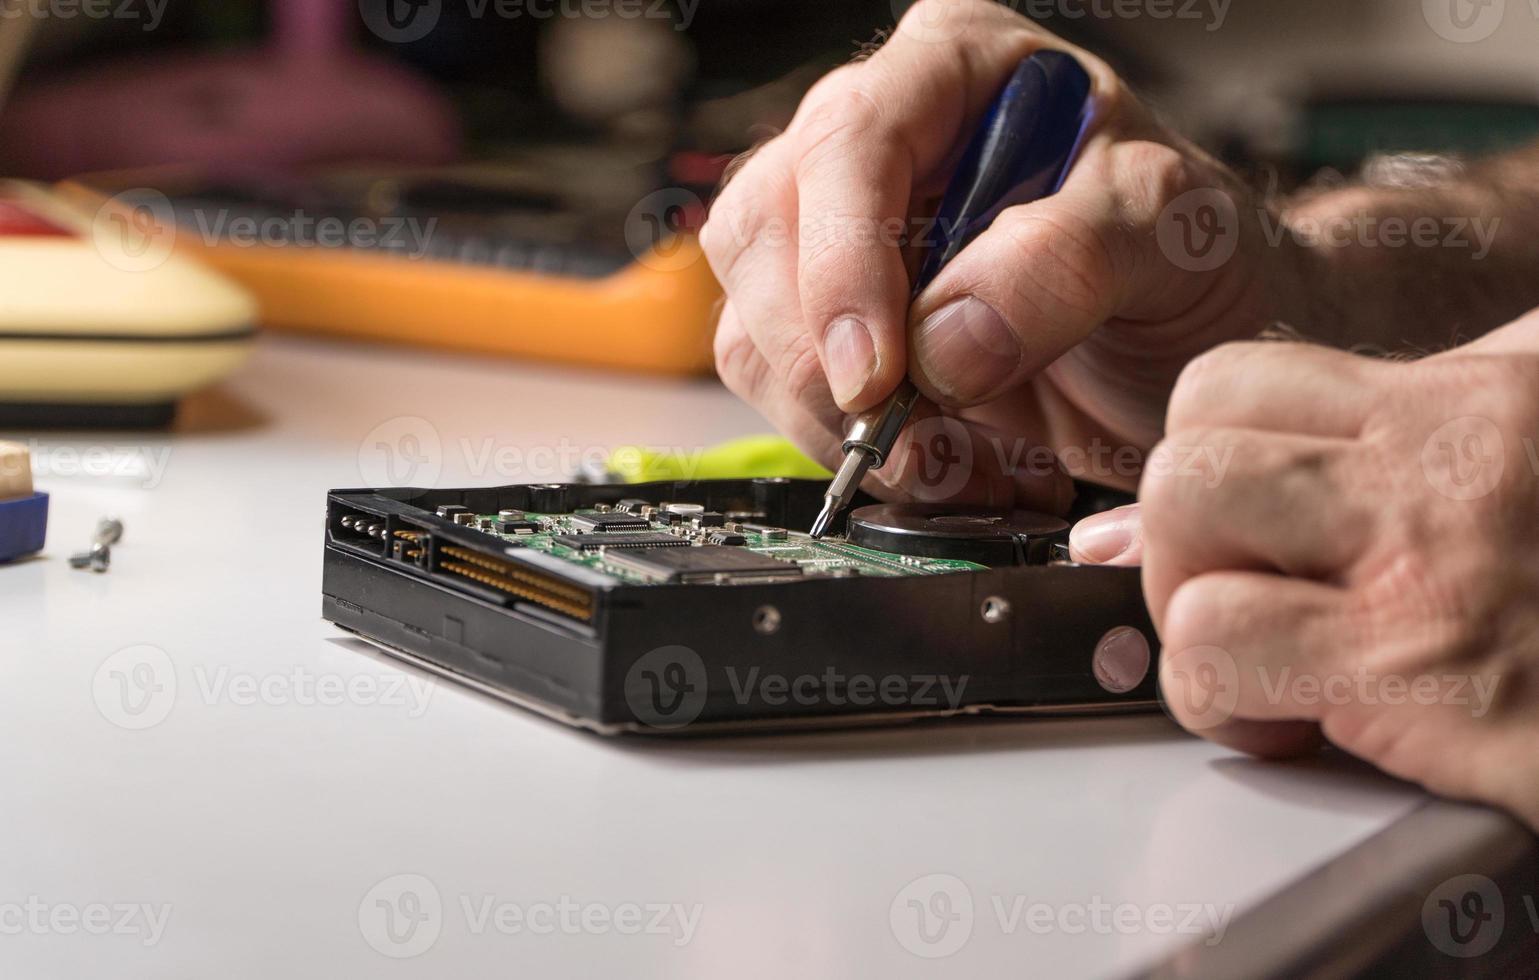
(1350, 546)
(1065, 324)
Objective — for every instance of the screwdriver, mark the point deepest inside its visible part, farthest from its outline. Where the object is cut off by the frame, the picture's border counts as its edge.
(1021, 153)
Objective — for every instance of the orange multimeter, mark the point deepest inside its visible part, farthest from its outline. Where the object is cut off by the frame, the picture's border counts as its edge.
(463, 278)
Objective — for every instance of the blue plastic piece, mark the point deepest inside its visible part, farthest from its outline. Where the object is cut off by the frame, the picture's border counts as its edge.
(23, 526)
(1022, 151)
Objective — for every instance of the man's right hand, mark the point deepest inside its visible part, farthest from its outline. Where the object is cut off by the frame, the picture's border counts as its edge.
(1064, 325)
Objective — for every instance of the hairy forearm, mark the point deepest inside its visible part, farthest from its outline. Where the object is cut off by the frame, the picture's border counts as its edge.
(1415, 269)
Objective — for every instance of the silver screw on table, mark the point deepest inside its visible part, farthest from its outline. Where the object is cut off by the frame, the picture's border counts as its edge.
(109, 531)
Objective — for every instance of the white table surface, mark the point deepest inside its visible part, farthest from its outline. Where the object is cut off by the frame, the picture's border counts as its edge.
(262, 831)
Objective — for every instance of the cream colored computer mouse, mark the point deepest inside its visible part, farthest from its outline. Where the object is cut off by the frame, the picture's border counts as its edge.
(100, 322)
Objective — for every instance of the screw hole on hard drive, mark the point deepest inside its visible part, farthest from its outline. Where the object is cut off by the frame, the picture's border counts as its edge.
(995, 609)
(766, 620)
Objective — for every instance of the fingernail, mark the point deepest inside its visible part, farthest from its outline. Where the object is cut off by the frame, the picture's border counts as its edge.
(849, 356)
(966, 349)
(1106, 538)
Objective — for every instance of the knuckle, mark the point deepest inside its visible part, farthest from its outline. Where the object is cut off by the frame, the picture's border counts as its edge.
(1152, 174)
(738, 364)
(934, 11)
(1064, 263)
(1205, 378)
(828, 88)
(1185, 465)
(1162, 496)
(825, 272)
(848, 115)
(1505, 388)
(1196, 615)
(1113, 99)
(801, 370)
(744, 217)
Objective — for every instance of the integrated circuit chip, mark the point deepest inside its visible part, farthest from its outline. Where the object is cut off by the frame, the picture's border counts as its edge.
(707, 563)
(612, 521)
(610, 540)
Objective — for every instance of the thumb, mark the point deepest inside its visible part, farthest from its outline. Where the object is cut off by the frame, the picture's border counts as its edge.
(1046, 275)
(1113, 538)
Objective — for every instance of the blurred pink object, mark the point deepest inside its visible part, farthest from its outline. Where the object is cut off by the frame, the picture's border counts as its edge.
(309, 98)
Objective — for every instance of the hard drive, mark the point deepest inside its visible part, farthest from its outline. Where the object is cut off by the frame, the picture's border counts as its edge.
(696, 607)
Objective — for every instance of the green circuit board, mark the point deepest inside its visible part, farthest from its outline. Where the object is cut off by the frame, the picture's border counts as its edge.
(653, 546)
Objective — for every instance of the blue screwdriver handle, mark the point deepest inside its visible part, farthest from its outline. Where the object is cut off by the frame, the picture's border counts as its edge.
(1022, 152)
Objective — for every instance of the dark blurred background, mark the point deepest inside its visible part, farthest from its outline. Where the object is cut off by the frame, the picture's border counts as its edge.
(571, 138)
(1305, 83)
